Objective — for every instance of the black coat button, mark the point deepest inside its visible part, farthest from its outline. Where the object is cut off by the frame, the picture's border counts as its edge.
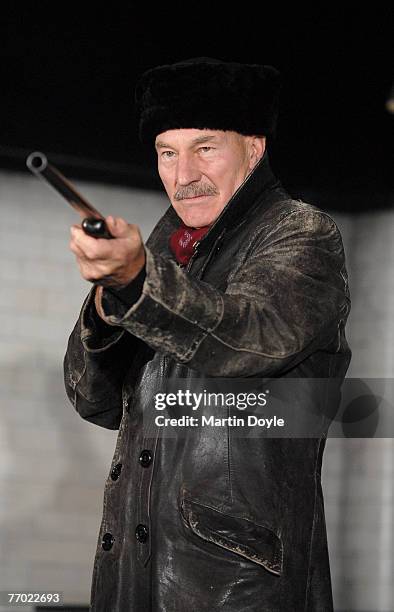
(107, 541)
(116, 470)
(145, 458)
(141, 533)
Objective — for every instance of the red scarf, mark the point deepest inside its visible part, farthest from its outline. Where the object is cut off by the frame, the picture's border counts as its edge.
(183, 240)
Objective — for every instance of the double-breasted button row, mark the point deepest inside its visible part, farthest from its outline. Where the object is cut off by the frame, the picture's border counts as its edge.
(107, 541)
(145, 460)
(141, 533)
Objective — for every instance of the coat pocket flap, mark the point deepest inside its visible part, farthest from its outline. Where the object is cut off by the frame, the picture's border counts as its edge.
(239, 535)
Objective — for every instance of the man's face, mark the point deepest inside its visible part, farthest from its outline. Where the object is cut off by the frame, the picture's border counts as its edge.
(202, 169)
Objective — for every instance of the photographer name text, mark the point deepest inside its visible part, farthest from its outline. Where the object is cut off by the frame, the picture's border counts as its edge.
(212, 421)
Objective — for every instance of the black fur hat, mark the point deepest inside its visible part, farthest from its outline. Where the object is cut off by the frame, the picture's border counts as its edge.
(207, 93)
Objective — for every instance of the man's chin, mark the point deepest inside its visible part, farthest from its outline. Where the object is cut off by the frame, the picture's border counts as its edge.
(197, 219)
(196, 222)
(197, 213)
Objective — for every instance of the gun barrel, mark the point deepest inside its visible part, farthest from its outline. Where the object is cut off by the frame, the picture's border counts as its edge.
(38, 164)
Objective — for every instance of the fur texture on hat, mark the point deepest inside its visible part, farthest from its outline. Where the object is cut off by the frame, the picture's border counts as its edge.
(206, 93)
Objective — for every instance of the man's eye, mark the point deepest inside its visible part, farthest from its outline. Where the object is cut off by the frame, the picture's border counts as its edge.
(167, 154)
(206, 149)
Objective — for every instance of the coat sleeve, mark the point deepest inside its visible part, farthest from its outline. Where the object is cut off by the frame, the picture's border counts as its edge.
(282, 303)
(97, 358)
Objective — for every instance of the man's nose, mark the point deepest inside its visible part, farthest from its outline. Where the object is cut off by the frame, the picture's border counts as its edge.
(187, 170)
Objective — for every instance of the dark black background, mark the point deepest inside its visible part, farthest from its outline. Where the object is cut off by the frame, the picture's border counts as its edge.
(68, 80)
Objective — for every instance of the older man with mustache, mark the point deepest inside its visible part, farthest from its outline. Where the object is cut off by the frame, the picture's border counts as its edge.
(238, 281)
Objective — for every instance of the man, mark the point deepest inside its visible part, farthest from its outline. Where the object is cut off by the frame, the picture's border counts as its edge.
(237, 281)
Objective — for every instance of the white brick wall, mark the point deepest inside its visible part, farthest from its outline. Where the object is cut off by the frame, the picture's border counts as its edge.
(53, 464)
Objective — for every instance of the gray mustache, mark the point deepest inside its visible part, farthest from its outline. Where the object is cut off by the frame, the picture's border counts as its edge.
(194, 191)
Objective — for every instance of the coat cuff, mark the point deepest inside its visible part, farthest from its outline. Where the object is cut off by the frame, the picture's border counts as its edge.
(174, 321)
(131, 293)
(96, 334)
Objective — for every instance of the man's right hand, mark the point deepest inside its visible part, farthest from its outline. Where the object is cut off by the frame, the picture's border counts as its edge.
(114, 262)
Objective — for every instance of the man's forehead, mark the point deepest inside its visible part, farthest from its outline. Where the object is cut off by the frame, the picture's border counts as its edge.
(189, 136)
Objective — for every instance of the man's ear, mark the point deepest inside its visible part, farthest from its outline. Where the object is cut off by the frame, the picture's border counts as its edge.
(256, 149)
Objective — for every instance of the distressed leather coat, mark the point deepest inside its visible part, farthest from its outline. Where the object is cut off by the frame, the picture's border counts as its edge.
(211, 521)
